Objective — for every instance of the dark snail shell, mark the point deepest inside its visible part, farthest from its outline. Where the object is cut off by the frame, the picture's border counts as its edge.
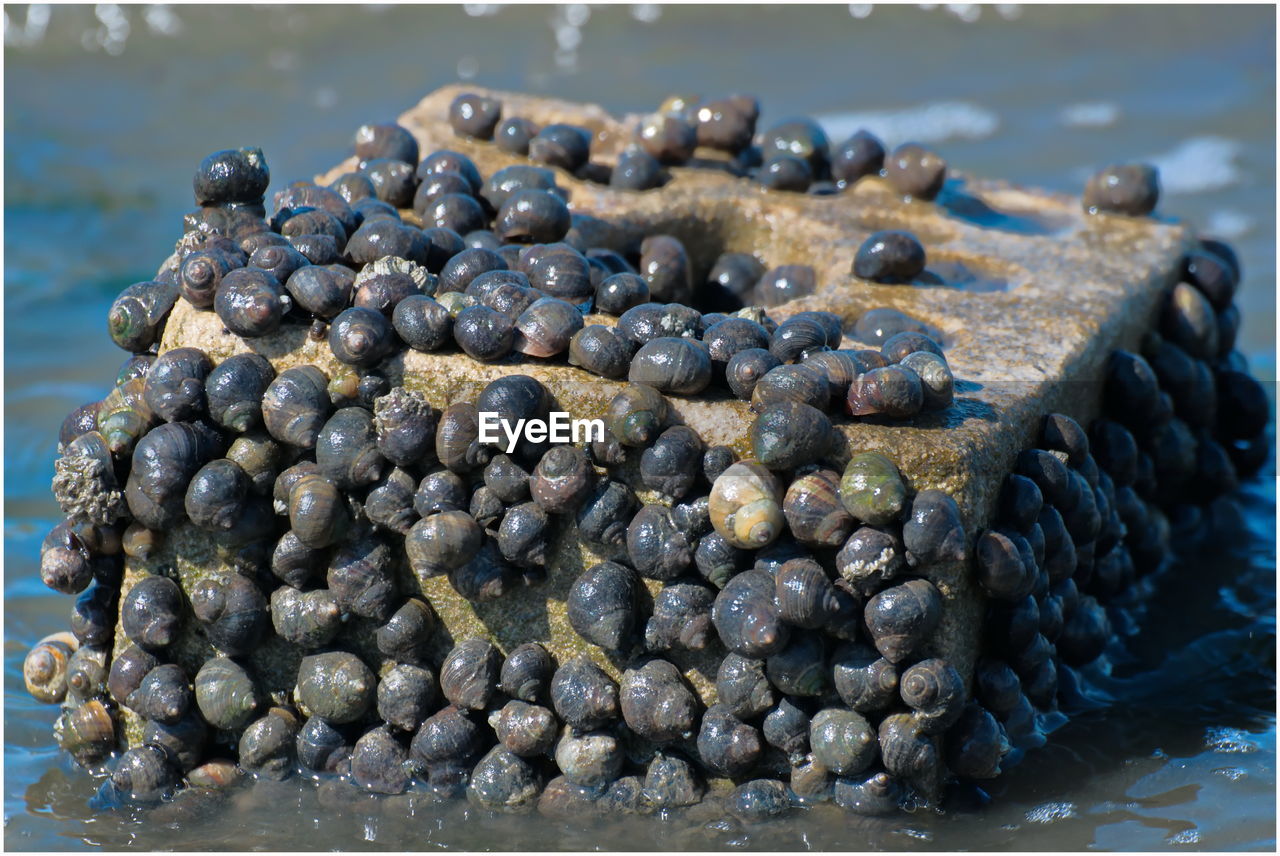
(457, 211)
(226, 694)
(251, 302)
(758, 800)
(510, 179)
(484, 334)
(532, 216)
(976, 744)
(805, 596)
(387, 140)
(746, 368)
(664, 265)
(306, 619)
(558, 270)
(901, 345)
(909, 754)
(485, 577)
(235, 389)
(1130, 189)
(742, 687)
(672, 365)
(278, 260)
(293, 562)
(234, 613)
(745, 506)
(128, 668)
(66, 562)
(438, 491)
(85, 418)
(86, 732)
(561, 478)
(124, 416)
(747, 618)
(137, 316)
(513, 135)
(216, 495)
(717, 560)
(800, 383)
(869, 795)
(390, 504)
(799, 668)
(1002, 571)
(915, 171)
(727, 745)
(361, 337)
(526, 673)
(672, 782)
(602, 520)
(318, 512)
(601, 351)
(560, 145)
(507, 291)
(164, 462)
(93, 617)
(380, 762)
(267, 747)
(184, 741)
(407, 634)
(786, 728)
(406, 695)
(670, 465)
(934, 532)
(448, 736)
(201, 273)
(86, 671)
(583, 695)
(347, 450)
(865, 681)
(656, 546)
(592, 759)
(935, 690)
(732, 335)
(139, 542)
(649, 321)
(436, 185)
(144, 775)
(657, 703)
(361, 577)
(336, 685)
(296, 406)
(546, 327)
(322, 290)
(681, 618)
(900, 618)
(523, 535)
(406, 426)
(814, 512)
(457, 439)
(893, 391)
(937, 384)
(801, 333)
(151, 612)
(469, 674)
(44, 670)
(382, 285)
(231, 175)
(601, 605)
(503, 781)
(636, 415)
(443, 542)
(164, 695)
(320, 746)
(466, 266)
(790, 434)
(422, 323)
(379, 237)
(620, 292)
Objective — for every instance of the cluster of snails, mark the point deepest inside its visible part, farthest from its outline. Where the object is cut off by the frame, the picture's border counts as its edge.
(794, 155)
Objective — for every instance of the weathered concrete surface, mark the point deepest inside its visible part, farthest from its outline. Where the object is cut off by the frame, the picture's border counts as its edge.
(1072, 288)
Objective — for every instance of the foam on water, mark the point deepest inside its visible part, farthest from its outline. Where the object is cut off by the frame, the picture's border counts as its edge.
(926, 123)
(1199, 165)
(1090, 114)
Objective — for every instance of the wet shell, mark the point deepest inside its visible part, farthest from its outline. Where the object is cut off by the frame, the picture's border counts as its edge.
(86, 672)
(1001, 569)
(216, 496)
(446, 739)
(267, 746)
(601, 351)
(164, 695)
(601, 605)
(66, 562)
(486, 577)
(664, 265)
(144, 775)
(337, 686)
(560, 145)
(86, 732)
(164, 462)
(636, 415)
(656, 546)
(746, 617)
(347, 451)
(672, 782)
(361, 337)
(745, 506)
(814, 512)
(296, 406)
(790, 434)
(558, 270)
(234, 614)
(561, 479)
(672, 365)
(657, 704)
(620, 291)
(742, 687)
(602, 520)
(937, 384)
(526, 673)
(390, 504)
(438, 491)
(935, 690)
(320, 746)
(322, 290)
(900, 618)
(532, 216)
(184, 741)
(85, 482)
(525, 729)
(380, 762)
(251, 302)
(726, 744)
(175, 386)
(593, 759)
(649, 321)
(457, 439)
(681, 617)
(128, 668)
(873, 795)
(895, 392)
(151, 612)
(804, 594)
(503, 781)
(443, 542)
(138, 315)
(909, 754)
(799, 669)
(407, 634)
(44, 670)
(469, 674)
(583, 695)
(523, 535)
(934, 532)
(406, 696)
(234, 391)
(293, 562)
(94, 614)
(801, 383)
(225, 694)
(361, 577)
(976, 745)
(865, 681)
(422, 323)
(309, 620)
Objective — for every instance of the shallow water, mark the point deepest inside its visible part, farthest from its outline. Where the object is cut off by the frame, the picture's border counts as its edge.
(107, 111)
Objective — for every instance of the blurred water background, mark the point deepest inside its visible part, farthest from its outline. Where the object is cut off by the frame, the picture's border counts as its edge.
(109, 108)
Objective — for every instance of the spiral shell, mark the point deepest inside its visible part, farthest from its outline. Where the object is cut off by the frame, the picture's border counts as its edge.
(976, 744)
(745, 506)
(336, 685)
(347, 451)
(44, 670)
(727, 745)
(234, 391)
(814, 511)
(900, 618)
(251, 302)
(469, 674)
(225, 694)
(798, 669)
(234, 613)
(601, 605)
(865, 681)
(320, 746)
(525, 729)
(137, 316)
(636, 415)
(603, 518)
(361, 577)
(746, 617)
(670, 465)
(681, 618)
(935, 690)
(804, 595)
(389, 505)
(443, 542)
(583, 695)
(447, 738)
(672, 365)
(457, 439)
(163, 696)
(296, 405)
(86, 732)
(656, 702)
(909, 754)
(800, 383)
(935, 531)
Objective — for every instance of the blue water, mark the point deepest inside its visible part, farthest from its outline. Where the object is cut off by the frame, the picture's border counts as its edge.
(107, 111)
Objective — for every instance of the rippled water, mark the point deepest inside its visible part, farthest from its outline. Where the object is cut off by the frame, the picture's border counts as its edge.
(107, 110)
